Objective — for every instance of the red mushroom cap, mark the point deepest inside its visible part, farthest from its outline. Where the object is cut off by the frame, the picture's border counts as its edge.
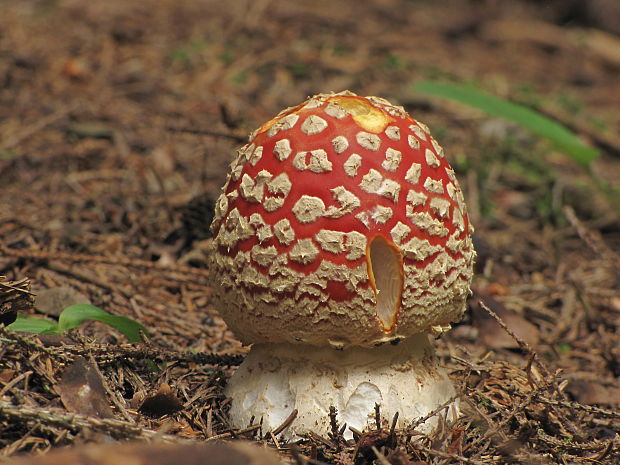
(341, 222)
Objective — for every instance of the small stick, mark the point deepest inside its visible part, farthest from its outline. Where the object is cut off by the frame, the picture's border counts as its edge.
(122, 261)
(286, 423)
(234, 434)
(380, 457)
(526, 348)
(108, 353)
(210, 422)
(357, 434)
(321, 439)
(16, 286)
(576, 446)
(446, 455)
(378, 416)
(73, 422)
(591, 238)
(604, 453)
(112, 395)
(31, 343)
(333, 423)
(275, 441)
(577, 406)
(431, 414)
(528, 370)
(393, 427)
(336, 433)
(553, 382)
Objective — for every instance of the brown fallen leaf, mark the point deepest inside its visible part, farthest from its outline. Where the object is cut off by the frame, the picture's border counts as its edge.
(591, 392)
(7, 375)
(81, 390)
(214, 453)
(54, 300)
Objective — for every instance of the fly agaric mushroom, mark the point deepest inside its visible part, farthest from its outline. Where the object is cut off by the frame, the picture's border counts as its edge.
(341, 240)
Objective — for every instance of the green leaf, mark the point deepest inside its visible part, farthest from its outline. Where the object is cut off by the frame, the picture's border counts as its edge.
(33, 324)
(73, 316)
(530, 119)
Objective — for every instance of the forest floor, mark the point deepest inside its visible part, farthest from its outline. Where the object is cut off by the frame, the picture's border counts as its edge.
(118, 121)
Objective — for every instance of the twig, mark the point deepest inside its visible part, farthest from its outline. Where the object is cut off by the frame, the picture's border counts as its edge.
(577, 446)
(577, 406)
(110, 353)
(380, 457)
(355, 432)
(495, 429)
(316, 437)
(14, 381)
(525, 347)
(432, 413)
(286, 423)
(75, 422)
(123, 261)
(274, 439)
(112, 394)
(333, 423)
(21, 286)
(604, 453)
(31, 343)
(15, 295)
(235, 433)
(551, 379)
(528, 370)
(592, 239)
(460, 458)
(392, 441)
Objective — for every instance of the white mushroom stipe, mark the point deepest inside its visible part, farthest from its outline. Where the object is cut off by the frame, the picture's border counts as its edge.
(274, 379)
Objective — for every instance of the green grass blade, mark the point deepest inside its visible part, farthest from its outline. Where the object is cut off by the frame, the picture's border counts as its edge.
(33, 324)
(530, 119)
(73, 316)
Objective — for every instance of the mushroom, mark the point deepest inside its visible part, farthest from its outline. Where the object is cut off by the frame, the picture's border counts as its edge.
(341, 241)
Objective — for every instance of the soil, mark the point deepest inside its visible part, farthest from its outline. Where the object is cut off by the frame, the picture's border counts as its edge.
(118, 121)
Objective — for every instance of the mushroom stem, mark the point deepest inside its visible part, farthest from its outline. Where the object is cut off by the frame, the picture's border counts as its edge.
(274, 379)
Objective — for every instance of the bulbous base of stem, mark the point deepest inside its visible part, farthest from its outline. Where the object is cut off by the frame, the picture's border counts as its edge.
(274, 379)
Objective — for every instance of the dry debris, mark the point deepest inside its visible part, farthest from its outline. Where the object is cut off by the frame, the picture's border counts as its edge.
(117, 121)
(14, 297)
